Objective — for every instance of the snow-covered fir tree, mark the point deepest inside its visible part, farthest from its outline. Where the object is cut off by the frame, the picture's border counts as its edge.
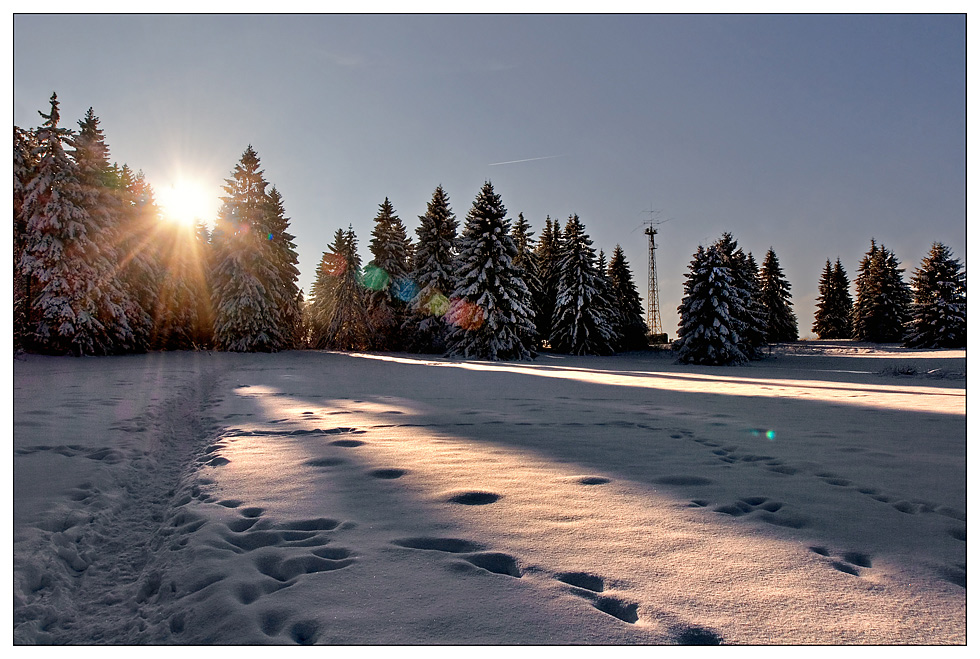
(939, 302)
(61, 254)
(387, 279)
(24, 166)
(425, 330)
(245, 274)
(832, 318)
(527, 261)
(584, 316)
(284, 284)
(323, 293)
(487, 308)
(881, 307)
(708, 334)
(775, 297)
(630, 325)
(547, 251)
(349, 326)
(126, 324)
(748, 317)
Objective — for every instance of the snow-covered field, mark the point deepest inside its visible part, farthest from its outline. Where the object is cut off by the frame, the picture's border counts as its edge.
(818, 496)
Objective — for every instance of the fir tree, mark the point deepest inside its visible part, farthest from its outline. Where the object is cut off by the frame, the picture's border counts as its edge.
(832, 319)
(323, 293)
(25, 148)
(881, 310)
(425, 330)
(61, 255)
(939, 302)
(387, 278)
(780, 319)
(630, 325)
(584, 316)
(708, 334)
(284, 282)
(125, 324)
(487, 309)
(527, 261)
(349, 327)
(547, 251)
(244, 276)
(747, 315)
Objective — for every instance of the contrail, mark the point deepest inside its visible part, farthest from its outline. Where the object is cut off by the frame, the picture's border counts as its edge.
(511, 162)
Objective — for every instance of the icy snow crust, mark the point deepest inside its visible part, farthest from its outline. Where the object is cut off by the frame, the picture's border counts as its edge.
(316, 497)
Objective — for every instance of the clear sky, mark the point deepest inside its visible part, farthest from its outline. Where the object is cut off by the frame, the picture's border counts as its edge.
(809, 134)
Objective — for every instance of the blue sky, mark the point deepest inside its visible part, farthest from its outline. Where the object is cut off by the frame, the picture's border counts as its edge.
(809, 134)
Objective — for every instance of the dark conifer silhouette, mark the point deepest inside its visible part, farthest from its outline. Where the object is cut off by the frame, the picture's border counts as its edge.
(832, 319)
(775, 298)
(939, 302)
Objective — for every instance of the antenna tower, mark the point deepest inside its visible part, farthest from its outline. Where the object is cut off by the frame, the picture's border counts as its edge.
(653, 289)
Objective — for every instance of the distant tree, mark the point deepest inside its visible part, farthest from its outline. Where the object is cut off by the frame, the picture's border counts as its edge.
(387, 278)
(548, 252)
(832, 319)
(323, 293)
(630, 325)
(425, 329)
(61, 254)
(349, 327)
(245, 274)
(584, 316)
(775, 297)
(708, 333)
(284, 286)
(939, 302)
(881, 310)
(487, 307)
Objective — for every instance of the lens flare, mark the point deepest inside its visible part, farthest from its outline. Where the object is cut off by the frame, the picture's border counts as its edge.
(374, 278)
(437, 304)
(762, 432)
(404, 289)
(334, 265)
(465, 314)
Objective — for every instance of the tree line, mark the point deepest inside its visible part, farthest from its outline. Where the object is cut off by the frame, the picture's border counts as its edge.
(731, 309)
(96, 272)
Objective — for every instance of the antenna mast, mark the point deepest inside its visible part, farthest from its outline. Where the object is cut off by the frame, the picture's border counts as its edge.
(653, 289)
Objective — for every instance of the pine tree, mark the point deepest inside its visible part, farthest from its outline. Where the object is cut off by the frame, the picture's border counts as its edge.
(527, 261)
(25, 148)
(939, 302)
(630, 325)
(425, 329)
(323, 293)
(284, 283)
(387, 278)
(61, 254)
(487, 307)
(708, 334)
(244, 275)
(747, 315)
(547, 252)
(584, 316)
(349, 327)
(775, 297)
(141, 267)
(881, 310)
(125, 324)
(832, 319)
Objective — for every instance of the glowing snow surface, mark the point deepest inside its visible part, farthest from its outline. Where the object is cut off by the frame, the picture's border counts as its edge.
(816, 497)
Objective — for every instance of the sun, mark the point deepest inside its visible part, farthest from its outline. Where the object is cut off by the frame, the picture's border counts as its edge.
(186, 202)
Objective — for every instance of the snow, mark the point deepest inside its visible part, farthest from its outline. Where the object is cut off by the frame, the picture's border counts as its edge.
(815, 497)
